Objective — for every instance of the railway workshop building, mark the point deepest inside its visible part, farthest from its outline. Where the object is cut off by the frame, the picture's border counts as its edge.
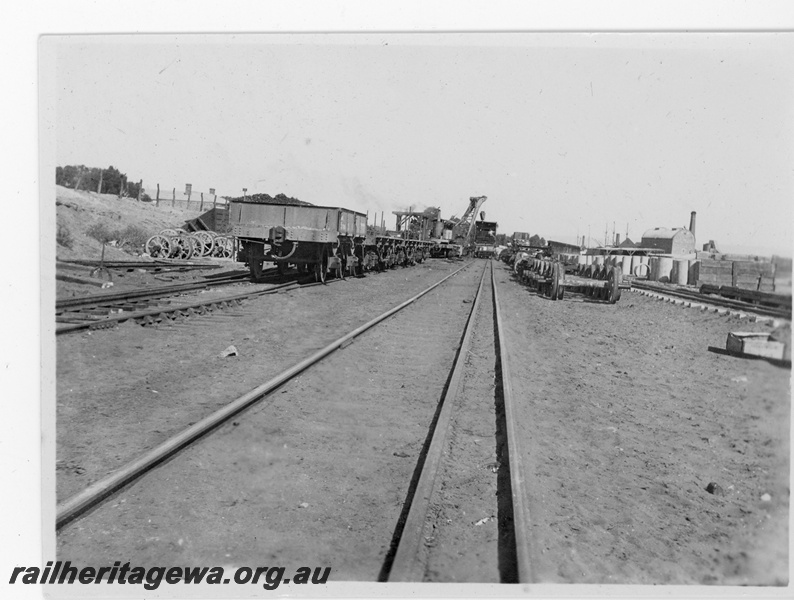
(678, 241)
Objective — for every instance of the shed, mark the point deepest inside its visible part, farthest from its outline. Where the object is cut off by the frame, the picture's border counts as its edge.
(678, 241)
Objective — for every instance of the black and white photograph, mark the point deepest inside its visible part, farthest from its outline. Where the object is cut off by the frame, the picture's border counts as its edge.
(414, 313)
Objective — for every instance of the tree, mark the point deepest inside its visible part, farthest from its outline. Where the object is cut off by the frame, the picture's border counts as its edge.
(80, 177)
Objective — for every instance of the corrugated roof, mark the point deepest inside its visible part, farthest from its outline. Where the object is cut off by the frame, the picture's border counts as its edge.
(662, 233)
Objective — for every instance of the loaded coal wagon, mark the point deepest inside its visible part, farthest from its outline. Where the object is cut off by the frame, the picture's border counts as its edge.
(313, 238)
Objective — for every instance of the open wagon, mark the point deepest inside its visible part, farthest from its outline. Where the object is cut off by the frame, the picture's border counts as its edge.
(553, 277)
(314, 238)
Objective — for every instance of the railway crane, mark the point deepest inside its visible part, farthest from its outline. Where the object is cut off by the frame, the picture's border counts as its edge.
(467, 222)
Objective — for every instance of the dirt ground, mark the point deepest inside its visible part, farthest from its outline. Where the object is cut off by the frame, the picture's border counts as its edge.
(315, 474)
(625, 415)
(107, 415)
(626, 418)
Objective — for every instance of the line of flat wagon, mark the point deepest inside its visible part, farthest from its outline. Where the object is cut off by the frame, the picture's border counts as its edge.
(318, 240)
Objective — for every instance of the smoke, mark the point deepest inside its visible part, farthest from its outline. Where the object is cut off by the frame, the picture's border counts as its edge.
(353, 188)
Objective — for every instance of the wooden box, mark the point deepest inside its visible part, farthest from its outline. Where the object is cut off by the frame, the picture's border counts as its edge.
(756, 344)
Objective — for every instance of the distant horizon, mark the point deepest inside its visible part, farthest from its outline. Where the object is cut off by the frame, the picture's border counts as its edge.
(746, 249)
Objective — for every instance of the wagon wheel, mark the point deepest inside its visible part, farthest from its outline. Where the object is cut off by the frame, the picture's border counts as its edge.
(177, 247)
(170, 232)
(615, 278)
(196, 245)
(217, 251)
(255, 267)
(321, 267)
(174, 247)
(593, 291)
(158, 246)
(545, 287)
(207, 242)
(217, 246)
(185, 251)
(378, 260)
(602, 292)
(594, 275)
(384, 259)
(358, 269)
(225, 245)
(557, 281)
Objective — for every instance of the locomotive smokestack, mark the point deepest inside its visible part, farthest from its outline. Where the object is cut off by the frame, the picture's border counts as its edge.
(617, 239)
(692, 220)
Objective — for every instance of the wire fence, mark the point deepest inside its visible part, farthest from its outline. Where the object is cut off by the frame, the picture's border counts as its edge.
(187, 198)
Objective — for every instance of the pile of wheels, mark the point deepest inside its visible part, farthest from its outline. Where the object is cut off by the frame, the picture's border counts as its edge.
(184, 245)
(551, 278)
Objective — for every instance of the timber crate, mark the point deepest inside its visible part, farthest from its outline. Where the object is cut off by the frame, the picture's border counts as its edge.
(757, 344)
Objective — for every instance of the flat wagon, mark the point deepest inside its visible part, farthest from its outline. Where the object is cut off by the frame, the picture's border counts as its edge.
(314, 238)
(383, 249)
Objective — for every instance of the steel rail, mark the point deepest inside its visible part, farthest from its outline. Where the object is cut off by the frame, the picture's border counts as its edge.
(139, 264)
(715, 301)
(521, 519)
(99, 323)
(82, 501)
(164, 290)
(406, 565)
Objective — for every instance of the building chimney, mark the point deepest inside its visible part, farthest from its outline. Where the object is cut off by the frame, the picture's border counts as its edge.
(692, 222)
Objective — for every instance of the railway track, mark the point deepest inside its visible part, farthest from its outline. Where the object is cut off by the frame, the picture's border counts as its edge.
(697, 300)
(150, 305)
(400, 551)
(419, 555)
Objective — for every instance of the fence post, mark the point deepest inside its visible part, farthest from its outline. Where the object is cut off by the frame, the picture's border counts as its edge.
(140, 189)
(99, 187)
(157, 201)
(201, 207)
(214, 200)
(173, 197)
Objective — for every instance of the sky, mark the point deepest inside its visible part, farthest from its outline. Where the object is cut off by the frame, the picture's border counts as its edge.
(566, 134)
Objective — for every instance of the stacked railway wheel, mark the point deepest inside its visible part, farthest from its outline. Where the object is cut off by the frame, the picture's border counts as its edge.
(549, 277)
(184, 245)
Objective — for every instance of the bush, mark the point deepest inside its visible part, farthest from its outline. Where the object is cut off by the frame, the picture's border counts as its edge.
(133, 238)
(102, 233)
(64, 237)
